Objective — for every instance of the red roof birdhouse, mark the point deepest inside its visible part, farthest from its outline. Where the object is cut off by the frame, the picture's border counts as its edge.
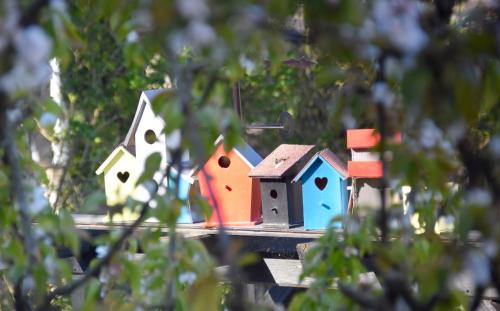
(365, 163)
(224, 182)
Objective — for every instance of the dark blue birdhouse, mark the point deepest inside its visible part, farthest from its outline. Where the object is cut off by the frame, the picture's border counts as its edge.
(324, 189)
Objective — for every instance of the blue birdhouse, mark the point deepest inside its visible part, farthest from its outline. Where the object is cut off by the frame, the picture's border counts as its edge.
(185, 186)
(324, 189)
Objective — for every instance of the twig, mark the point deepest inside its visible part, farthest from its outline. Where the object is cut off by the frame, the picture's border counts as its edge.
(476, 300)
(17, 189)
(381, 118)
(102, 262)
(361, 298)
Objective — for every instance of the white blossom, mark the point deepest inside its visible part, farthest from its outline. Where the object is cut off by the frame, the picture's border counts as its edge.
(478, 196)
(247, 63)
(350, 251)
(177, 42)
(50, 265)
(23, 77)
(348, 120)
(477, 264)
(14, 115)
(28, 284)
(381, 94)
(36, 199)
(132, 37)
(173, 140)
(33, 45)
(187, 277)
(251, 16)
(490, 248)
(31, 68)
(200, 34)
(430, 134)
(193, 9)
(101, 251)
(394, 67)
(456, 131)
(397, 21)
(494, 145)
(58, 5)
(48, 119)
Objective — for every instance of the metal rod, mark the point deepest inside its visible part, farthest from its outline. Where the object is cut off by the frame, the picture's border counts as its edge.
(274, 126)
(237, 100)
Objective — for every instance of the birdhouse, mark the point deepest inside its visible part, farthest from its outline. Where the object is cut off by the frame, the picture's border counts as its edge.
(365, 168)
(281, 199)
(324, 189)
(120, 175)
(146, 134)
(224, 182)
(184, 184)
(125, 164)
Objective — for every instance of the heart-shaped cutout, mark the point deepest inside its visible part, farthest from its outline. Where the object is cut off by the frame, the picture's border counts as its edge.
(123, 177)
(321, 182)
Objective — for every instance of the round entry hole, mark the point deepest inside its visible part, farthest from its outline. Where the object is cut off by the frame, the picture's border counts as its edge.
(150, 137)
(224, 162)
(273, 193)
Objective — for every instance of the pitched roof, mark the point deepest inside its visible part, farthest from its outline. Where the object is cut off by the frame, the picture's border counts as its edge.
(282, 161)
(334, 161)
(243, 150)
(118, 151)
(146, 99)
(328, 156)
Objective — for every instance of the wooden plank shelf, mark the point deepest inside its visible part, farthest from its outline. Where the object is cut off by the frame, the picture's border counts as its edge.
(101, 222)
(278, 262)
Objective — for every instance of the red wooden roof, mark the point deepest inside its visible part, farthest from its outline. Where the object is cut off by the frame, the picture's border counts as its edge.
(362, 138)
(365, 169)
(281, 161)
(366, 138)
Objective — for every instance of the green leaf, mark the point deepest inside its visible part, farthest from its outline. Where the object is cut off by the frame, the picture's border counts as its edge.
(92, 291)
(206, 294)
(152, 166)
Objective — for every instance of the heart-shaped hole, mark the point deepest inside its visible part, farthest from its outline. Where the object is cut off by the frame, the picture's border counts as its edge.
(321, 182)
(123, 176)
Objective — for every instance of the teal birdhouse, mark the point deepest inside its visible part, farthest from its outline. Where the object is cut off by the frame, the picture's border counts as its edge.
(184, 185)
(324, 189)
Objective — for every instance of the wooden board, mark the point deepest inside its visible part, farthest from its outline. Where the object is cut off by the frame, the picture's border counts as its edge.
(99, 222)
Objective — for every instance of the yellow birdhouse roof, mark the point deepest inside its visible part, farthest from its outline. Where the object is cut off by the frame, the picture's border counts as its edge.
(112, 159)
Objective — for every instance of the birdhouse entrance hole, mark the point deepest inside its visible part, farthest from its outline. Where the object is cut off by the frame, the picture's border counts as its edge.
(273, 193)
(224, 162)
(321, 182)
(150, 137)
(123, 177)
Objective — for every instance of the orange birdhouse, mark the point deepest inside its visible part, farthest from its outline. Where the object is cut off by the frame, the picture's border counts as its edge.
(224, 182)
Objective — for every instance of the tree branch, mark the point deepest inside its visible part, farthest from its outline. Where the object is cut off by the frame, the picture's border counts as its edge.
(102, 262)
(363, 299)
(30, 16)
(381, 118)
(17, 189)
